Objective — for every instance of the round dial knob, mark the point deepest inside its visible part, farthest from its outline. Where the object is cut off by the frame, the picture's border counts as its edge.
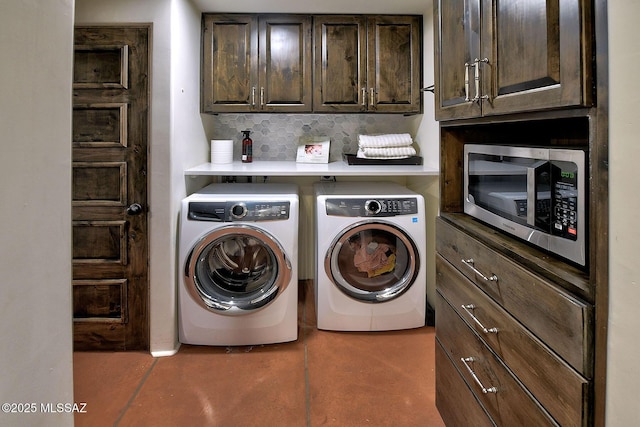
(372, 206)
(239, 210)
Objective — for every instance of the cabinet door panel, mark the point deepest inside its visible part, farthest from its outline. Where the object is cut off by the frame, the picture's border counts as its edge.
(394, 64)
(229, 63)
(535, 55)
(340, 63)
(457, 42)
(285, 63)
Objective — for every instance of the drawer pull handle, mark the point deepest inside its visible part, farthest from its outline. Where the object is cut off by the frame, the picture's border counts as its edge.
(469, 307)
(466, 361)
(469, 263)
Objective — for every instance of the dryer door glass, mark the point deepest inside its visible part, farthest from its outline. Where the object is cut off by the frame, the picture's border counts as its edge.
(237, 270)
(372, 262)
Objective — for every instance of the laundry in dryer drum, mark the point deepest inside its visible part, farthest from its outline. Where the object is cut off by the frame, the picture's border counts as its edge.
(372, 257)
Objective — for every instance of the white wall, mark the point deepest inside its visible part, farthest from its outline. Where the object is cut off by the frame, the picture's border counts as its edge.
(35, 208)
(189, 144)
(623, 375)
(428, 137)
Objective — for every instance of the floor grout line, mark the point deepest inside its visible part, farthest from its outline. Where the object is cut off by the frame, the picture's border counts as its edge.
(135, 393)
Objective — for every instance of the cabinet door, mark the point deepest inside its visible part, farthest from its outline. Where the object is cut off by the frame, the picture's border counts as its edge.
(536, 58)
(394, 64)
(229, 63)
(457, 45)
(285, 63)
(340, 63)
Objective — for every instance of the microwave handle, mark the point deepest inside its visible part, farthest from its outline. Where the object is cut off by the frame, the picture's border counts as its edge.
(531, 196)
(532, 193)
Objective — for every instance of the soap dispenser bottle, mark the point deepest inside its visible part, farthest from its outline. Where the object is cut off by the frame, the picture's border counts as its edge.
(247, 147)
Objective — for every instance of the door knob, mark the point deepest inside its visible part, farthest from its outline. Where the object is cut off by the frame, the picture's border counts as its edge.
(134, 209)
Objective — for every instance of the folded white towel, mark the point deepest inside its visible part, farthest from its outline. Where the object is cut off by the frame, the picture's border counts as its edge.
(387, 140)
(386, 153)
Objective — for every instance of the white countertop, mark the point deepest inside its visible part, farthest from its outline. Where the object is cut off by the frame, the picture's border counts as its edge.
(292, 168)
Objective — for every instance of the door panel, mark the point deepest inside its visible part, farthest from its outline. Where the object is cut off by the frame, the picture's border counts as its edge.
(530, 65)
(110, 141)
(340, 63)
(100, 125)
(101, 67)
(523, 76)
(457, 46)
(285, 63)
(229, 63)
(394, 63)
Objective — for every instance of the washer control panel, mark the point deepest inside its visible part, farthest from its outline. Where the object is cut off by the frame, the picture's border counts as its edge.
(359, 207)
(231, 211)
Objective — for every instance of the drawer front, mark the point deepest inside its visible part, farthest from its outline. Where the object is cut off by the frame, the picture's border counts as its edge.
(556, 317)
(510, 404)
(455, 402)
(557, 386)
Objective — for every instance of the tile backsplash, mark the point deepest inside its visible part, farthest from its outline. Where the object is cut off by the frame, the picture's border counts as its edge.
(276, 136)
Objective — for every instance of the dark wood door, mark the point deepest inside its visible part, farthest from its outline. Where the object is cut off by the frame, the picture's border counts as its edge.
(394, 57)
(340, 79)
(285, 63)
(110, 142)
(457, 45)
(229, 63)
(536, 51)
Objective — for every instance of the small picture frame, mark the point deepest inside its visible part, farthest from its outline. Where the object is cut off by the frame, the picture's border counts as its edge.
(313, 149)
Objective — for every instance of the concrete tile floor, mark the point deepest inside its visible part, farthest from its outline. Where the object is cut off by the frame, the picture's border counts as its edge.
(323, 378)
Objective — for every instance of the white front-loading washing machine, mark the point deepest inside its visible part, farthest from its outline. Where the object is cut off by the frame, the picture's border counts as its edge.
(238, 278)
(370, 256)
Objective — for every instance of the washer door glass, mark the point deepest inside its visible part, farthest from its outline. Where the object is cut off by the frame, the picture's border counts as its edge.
(372, 262)
(236, 269)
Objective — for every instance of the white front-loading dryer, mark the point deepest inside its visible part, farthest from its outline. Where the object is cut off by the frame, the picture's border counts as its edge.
(370, 256)
(238, 280)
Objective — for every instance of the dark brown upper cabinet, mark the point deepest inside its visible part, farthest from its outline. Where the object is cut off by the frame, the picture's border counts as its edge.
(505, 57)
(268, 63)
(367, 63)
(256, 63)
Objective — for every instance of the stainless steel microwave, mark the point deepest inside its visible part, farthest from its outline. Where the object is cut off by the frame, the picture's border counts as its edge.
(536, 194)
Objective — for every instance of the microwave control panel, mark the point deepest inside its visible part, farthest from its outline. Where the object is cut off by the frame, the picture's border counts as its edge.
(565, 200)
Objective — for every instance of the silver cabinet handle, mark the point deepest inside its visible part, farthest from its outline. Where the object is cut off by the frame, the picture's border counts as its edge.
(469, 263)
(372, 97)
(476, 78)
(476, 63)
(484, 329)
(253, 96)
(466, 81)
(485, 390)
(261, 97)
(364, 96)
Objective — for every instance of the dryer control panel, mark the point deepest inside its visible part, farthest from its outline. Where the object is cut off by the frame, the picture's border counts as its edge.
(231, 211)
(359, 207)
